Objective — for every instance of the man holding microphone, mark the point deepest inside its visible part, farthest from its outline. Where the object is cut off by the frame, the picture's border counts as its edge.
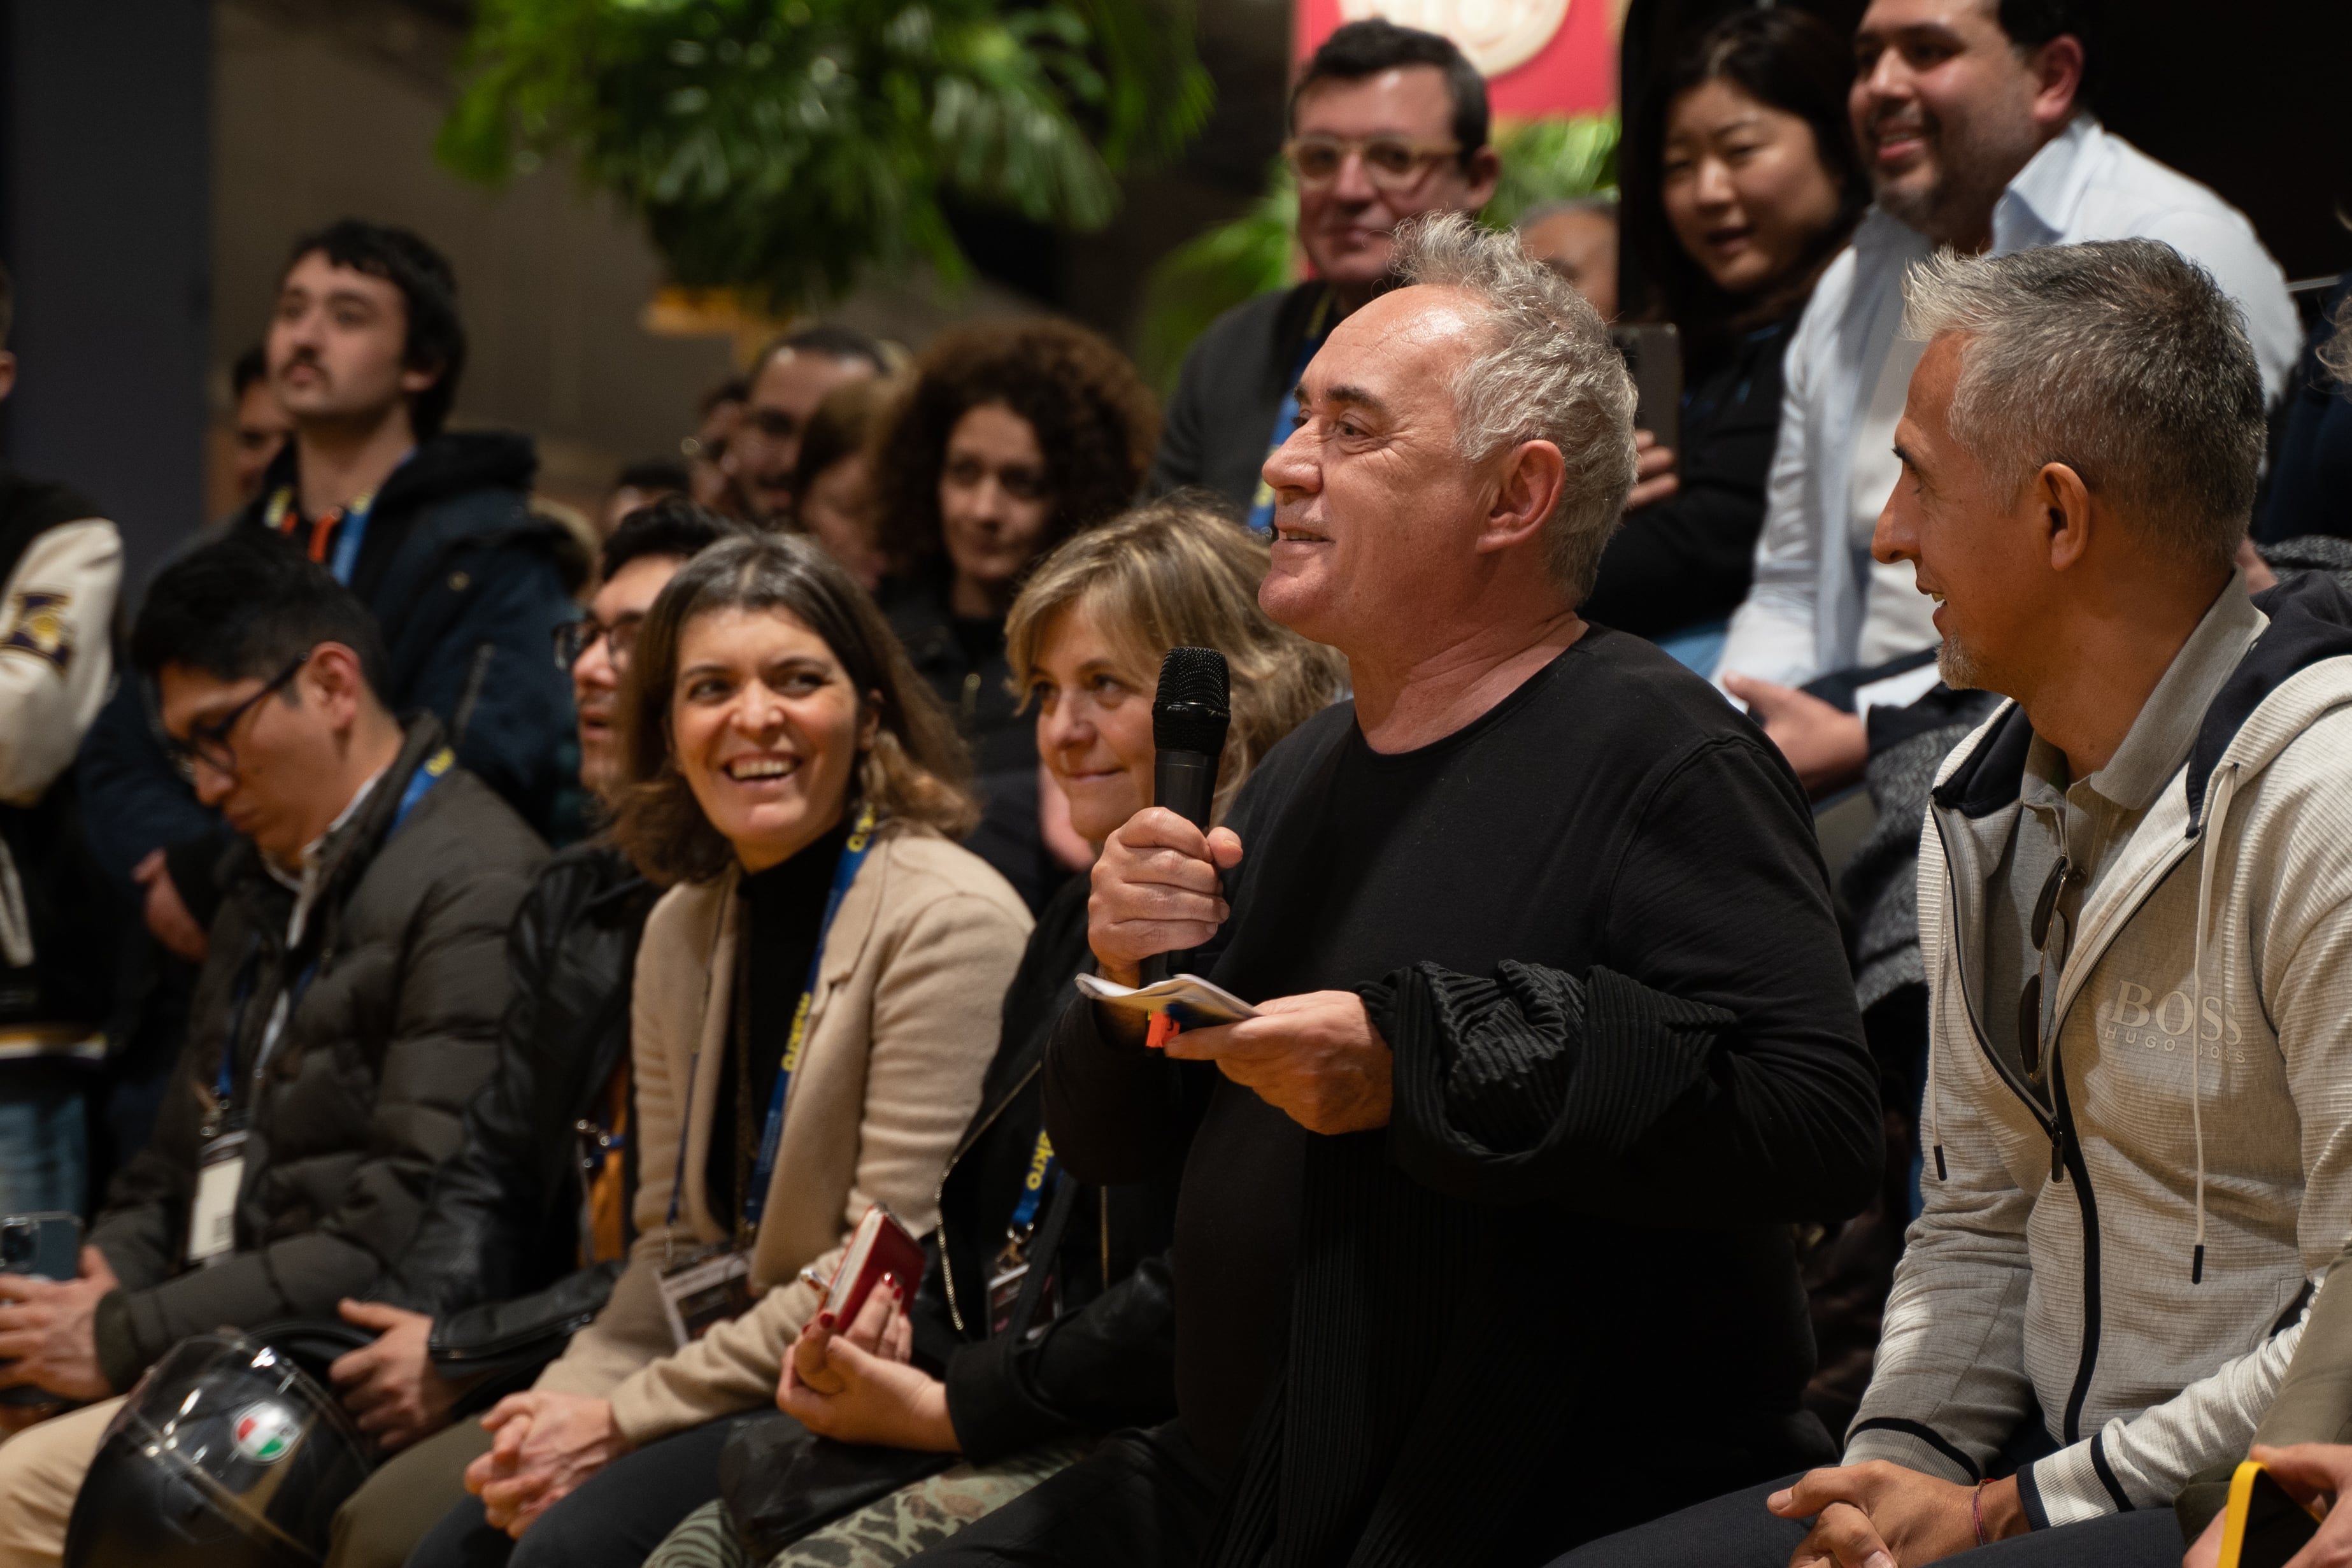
(1550, 992)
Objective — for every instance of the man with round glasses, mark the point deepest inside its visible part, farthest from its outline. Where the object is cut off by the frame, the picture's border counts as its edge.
(1386, 123)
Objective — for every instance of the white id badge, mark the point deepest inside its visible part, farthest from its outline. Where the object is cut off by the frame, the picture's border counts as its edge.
(698, 1295)
(212, 1218)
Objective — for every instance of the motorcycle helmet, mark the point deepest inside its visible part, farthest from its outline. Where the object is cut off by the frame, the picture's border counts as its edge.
(227, 1454)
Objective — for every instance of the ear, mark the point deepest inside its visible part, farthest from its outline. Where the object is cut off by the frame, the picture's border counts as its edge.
(415, 379)
(334, 679)
(1483, 171)
(2063, 504)
(2057, 68)
(1527, 490)
(869, 721)
(8, 373)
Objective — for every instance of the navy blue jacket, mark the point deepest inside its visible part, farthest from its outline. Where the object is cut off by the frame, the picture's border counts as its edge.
(2310, 486)
(467, 585)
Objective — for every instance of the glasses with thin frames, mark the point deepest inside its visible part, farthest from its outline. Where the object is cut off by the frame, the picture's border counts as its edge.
(2032, 1029)
(209, 743)
(1392, 163)
(573, 638)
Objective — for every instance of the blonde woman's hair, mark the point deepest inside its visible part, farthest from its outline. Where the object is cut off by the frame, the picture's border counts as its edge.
(913, 770)
(1183, 573)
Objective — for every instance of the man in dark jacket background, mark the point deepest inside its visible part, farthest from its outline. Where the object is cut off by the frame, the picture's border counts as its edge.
(432, 529)
(1385, 123)
(346, 1011)
(523, 1239)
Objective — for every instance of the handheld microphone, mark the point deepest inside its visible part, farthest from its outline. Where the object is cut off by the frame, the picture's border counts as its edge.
(1189, 714)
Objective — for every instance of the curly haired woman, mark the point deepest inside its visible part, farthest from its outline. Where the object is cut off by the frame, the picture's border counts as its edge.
(1011, 438)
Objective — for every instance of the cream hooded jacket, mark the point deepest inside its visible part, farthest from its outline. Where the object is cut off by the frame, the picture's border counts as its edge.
(2132, 1248)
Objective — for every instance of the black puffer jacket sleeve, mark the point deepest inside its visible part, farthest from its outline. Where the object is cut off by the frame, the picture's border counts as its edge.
(1111, 1363)
(496, 1226)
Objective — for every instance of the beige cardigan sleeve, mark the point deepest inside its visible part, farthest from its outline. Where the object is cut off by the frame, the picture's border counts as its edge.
(936, 1003)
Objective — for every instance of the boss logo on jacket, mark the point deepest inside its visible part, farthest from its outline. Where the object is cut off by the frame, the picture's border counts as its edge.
(2125, 1241)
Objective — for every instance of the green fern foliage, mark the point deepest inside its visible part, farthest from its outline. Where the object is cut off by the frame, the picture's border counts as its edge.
(784, 148)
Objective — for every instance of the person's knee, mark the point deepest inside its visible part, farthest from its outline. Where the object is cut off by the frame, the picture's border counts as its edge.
(41, 1471)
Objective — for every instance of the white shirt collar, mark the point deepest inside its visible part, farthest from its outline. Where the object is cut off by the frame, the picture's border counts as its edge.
(2039, 207)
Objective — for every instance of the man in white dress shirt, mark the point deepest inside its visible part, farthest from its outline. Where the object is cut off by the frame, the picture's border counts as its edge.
(1972, 119)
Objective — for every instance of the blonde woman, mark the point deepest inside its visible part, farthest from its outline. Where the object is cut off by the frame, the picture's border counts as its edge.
(817, 999)
(1084, 639)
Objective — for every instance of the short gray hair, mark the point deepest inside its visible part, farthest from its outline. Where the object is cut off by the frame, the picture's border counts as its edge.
(2118, 358)
(1550, 374)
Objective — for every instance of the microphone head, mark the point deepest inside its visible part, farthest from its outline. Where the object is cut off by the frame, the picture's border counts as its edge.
(1193, 706)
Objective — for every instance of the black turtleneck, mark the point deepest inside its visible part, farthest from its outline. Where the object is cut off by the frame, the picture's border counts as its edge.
(784, 906)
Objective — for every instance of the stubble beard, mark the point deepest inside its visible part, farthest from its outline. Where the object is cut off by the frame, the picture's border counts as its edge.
(1961, 670)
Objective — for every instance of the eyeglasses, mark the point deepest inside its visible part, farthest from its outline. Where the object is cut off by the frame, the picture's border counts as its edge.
(573, 638)
(209, 745)
(2032, 1028)
(1392, 163)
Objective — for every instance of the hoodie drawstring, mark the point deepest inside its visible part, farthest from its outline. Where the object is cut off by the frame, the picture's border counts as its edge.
(2225, 787)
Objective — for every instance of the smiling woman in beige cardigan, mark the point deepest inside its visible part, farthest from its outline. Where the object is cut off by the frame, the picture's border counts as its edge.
(768, 712)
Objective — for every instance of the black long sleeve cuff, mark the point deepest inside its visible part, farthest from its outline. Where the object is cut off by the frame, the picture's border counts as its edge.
(1503, 1083)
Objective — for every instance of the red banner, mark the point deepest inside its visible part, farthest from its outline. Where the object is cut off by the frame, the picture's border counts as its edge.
(1539, 57)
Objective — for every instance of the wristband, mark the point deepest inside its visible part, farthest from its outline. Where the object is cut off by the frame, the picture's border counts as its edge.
(1976, 1511)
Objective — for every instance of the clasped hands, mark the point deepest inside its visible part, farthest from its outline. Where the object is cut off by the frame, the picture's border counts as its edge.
(1879, 1515)
(1314, 1058)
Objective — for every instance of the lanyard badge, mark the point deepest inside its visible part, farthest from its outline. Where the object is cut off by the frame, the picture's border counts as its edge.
(712, 1284)
(1011, 1268)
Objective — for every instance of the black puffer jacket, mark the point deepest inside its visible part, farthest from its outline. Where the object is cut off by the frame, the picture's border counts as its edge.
(364, 1094)
(502, 1219)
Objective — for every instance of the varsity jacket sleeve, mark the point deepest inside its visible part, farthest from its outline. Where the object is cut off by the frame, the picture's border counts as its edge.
(1772, 633)
(1949, 1385)
(55, 659)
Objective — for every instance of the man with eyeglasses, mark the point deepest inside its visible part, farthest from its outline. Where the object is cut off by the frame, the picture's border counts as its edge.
(353, 990)
(527, 1227)
(1385, 123)
(787, 382)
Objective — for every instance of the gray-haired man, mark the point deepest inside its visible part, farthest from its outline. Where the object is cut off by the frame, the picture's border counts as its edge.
(2135, 906)
(1554, 1034)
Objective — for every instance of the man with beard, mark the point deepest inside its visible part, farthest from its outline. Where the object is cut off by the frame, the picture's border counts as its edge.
(1975, 123)
(1386, 123)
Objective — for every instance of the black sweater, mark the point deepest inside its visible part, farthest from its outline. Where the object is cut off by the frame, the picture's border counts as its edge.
(1574, 1236)
(1688, 559)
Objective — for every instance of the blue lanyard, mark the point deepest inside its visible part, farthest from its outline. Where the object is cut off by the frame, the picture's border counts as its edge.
(427, 774)
(764, 1169)
(1041, 1165)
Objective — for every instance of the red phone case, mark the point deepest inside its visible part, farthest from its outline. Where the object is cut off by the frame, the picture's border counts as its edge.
(879, 1246)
